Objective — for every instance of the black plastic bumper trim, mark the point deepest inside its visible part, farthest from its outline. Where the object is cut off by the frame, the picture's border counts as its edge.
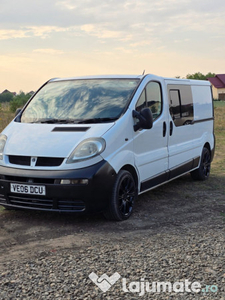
(170, 174)
(63, 197)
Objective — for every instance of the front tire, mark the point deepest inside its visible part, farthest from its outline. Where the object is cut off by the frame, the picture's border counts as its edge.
(202, 173)
(123, 197)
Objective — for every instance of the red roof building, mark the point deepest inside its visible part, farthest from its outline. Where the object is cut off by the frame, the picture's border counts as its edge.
(218, 86)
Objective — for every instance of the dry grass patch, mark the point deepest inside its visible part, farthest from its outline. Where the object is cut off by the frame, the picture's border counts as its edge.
(218, 165)
(5, 115)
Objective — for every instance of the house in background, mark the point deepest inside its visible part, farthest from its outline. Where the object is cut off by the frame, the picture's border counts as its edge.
(218, 86)
(6, 91)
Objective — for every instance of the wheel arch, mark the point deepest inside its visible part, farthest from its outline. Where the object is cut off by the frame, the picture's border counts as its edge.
(133, 172)
(207, 145)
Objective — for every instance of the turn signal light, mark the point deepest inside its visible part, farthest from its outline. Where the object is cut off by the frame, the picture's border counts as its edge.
(74, 181)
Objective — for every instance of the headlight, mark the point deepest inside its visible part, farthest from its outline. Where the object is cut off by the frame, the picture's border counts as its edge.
(87, 149)
(3, 139)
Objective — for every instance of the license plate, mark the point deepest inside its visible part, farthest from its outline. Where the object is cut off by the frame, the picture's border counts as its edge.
(27, 189)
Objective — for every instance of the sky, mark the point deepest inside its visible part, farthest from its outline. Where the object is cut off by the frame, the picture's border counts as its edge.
(45, 39)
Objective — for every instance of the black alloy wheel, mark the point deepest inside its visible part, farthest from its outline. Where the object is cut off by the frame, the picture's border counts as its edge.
(123, 197)
(202, 173)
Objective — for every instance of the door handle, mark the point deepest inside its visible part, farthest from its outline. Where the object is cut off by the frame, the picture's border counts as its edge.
(171, 128)
(164, 129)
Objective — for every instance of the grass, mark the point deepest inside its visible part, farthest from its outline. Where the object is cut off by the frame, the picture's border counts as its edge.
(218, 165)
(5, 116)
(219, 104)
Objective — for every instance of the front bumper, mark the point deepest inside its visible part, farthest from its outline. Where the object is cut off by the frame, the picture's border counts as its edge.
(93, 196)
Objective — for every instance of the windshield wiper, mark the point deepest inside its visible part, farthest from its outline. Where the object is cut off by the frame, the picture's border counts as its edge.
(96, 120)
(74, 121)
(56, 121)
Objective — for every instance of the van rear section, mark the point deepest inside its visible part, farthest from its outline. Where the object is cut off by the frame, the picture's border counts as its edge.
(93, 144)
(191, 125)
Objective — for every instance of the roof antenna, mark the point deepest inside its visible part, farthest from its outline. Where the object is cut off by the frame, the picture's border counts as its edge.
(143, 73)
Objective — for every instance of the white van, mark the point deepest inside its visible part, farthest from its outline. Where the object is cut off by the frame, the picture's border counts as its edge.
(94, 143)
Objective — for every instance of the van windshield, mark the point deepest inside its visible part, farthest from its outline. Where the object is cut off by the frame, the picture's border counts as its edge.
(80, 101)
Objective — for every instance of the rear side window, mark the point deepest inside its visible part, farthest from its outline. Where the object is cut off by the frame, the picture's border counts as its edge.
(181, 104)
(151, 97)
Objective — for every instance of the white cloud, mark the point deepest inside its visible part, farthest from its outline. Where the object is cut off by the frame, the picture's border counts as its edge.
(66, 4)
(32, 31)
(101, 31)
(103, 36)
(45, 31)
(48, 51)
(6, 34)
(126, 20)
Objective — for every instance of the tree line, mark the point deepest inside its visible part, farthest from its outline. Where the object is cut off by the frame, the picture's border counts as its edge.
(199, 76)
(18, 101)
(15, 101)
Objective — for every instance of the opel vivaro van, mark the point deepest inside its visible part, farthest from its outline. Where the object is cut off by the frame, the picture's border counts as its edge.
(95, 143)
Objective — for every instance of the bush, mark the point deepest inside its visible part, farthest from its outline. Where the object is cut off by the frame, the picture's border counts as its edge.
(19, 101)
(6, 97)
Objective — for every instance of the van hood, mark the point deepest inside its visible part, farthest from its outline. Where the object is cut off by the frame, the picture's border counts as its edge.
(49, 140)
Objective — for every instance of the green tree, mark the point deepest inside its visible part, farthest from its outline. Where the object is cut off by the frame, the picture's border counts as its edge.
(6, 97)
(200, 76)
(19, 101)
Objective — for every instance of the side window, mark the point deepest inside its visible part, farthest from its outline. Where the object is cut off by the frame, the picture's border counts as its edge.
(141, 102)
(151, 97)
(175, 106)
(154, 99)
(181, 104)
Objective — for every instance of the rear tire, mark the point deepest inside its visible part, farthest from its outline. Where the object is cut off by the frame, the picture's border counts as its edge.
(202, 173)
(123, 197)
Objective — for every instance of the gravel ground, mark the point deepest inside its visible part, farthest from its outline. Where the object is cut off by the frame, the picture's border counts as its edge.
(171, 256)
(45, 256)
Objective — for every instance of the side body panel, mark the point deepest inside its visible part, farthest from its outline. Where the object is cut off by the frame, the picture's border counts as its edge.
(150, 145)
(186, 140)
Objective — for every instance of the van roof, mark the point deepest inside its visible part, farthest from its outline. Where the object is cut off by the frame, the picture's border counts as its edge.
(168, 80)
(100, 77)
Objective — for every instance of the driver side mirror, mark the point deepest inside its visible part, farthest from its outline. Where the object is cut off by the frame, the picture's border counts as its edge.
(145, 119)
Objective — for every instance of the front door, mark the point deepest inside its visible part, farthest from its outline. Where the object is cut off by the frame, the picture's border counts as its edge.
(150, 145)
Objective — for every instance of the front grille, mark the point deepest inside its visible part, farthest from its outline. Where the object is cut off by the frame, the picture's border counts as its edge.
(36, 202)
(71, 205)
(2, 199)
(19, 160)
(41, 161)
(31, 202)
(49, 161)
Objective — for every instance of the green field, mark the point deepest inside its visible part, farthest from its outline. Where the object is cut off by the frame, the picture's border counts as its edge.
(219, 104)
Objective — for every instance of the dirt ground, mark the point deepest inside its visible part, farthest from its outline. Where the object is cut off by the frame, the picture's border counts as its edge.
(180, 204)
